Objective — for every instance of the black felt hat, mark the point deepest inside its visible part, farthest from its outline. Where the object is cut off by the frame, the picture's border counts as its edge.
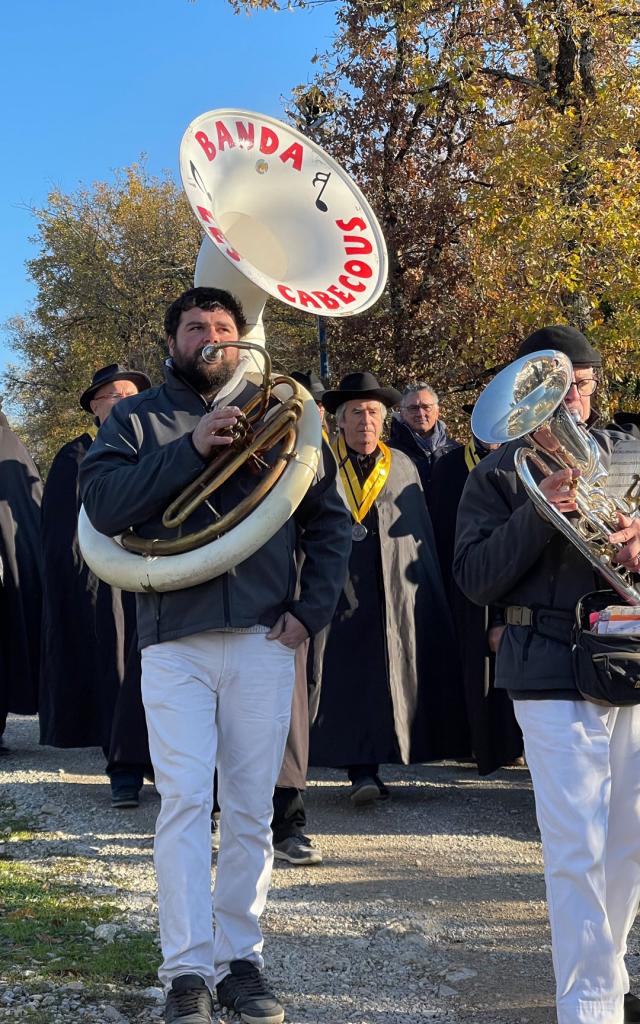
(312, 382)
(109, 374)
(360, 385)
(564, 339)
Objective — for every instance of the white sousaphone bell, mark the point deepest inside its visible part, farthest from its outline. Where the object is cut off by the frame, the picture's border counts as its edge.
(281, 218)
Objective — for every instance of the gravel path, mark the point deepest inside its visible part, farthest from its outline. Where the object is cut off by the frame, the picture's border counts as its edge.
(428, 908)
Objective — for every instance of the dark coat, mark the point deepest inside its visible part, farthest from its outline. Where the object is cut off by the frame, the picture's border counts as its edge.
(402, 437)
(507, 554)
(388, 691)
(88, 632)
(143, 456)
(20, 577)
(496, 738)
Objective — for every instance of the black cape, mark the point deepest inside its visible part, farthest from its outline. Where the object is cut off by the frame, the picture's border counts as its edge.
(389, 686)
(495, 735)
(88, 634)
(20, 576)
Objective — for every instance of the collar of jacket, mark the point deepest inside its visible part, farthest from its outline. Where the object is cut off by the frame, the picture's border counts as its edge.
(401, 431)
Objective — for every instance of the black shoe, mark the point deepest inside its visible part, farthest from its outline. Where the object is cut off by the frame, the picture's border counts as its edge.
(124, 796)
(189, 1001)
(631, 1009)
(383, 792)
(297, 849)
(364, 791)
(244, 990)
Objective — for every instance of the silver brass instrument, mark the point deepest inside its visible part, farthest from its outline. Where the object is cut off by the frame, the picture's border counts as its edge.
(526, 397)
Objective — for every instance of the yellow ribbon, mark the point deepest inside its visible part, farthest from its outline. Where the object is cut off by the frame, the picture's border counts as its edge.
(471, 456)
(361, 497)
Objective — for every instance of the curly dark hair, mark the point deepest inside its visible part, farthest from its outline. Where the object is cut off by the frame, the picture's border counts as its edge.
(204, 298)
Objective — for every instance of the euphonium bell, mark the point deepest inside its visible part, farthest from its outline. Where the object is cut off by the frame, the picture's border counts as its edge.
(527, 398)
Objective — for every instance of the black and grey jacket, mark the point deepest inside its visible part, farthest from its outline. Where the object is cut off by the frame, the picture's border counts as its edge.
(507, 554)
(424, 458)
(143, 456)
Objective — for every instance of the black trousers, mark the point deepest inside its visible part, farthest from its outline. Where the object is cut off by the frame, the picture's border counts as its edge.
(289, 818)
(355, 772)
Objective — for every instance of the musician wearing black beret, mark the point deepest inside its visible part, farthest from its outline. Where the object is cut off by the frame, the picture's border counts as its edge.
(584, 757)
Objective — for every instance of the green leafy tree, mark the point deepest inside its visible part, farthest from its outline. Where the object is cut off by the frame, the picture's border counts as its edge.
(110, 259)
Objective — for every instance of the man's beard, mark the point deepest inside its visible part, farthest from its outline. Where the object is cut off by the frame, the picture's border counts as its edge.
(206, 378)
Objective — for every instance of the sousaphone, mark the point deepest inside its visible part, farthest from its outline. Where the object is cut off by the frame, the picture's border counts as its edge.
(280, 217)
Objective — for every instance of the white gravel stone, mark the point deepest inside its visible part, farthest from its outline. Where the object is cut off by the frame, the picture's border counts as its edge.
(107, 932)
(428, 907)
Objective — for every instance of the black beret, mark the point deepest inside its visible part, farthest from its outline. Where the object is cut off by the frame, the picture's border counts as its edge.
(564, 339)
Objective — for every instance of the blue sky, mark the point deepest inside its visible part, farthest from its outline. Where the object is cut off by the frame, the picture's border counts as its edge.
(89, 86)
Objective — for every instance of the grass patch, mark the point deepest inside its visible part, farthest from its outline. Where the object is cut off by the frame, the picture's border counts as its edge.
(12, 825)
(43, 927)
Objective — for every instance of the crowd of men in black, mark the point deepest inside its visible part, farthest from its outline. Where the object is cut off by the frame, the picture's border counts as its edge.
(369, 650)
(74, 661)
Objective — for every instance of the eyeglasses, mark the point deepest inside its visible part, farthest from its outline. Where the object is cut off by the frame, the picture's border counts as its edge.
(114, 396)
(425, 406)
(585, 387)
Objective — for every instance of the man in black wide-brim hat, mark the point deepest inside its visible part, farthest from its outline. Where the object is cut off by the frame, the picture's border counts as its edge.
(387, 687)
(90, 668)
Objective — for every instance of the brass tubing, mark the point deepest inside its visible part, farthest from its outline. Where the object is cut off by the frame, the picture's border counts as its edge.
(178, 545)
(223, 466)
(211, 479)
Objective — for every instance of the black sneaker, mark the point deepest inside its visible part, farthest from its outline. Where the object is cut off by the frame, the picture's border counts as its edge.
(297, 849)
(245, 991)
(631, 1008)
(189, 1001)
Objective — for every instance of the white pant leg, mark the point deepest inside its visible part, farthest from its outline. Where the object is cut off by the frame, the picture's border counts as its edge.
(254, 708)
(623, 838)
(567, 749)
(179, 682)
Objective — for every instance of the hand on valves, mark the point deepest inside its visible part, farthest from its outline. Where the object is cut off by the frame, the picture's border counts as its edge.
(211, 434)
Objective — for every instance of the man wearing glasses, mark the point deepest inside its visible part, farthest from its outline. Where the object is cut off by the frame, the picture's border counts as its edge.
(90, 668)
(584, 757)
(418, 431)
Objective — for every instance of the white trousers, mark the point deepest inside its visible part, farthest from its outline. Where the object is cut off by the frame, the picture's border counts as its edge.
(585, 766)
(225, 699)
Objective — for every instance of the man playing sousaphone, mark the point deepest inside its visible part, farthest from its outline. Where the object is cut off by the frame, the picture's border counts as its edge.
(217, 658)
(584, 757)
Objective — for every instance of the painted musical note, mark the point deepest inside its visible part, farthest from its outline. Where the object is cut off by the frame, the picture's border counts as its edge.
(322, 177)
(198, 180)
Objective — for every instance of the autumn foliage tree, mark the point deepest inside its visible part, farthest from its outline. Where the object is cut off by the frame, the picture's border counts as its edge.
(499, 144)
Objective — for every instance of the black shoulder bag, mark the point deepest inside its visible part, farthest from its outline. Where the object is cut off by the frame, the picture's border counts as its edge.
(606, 668)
